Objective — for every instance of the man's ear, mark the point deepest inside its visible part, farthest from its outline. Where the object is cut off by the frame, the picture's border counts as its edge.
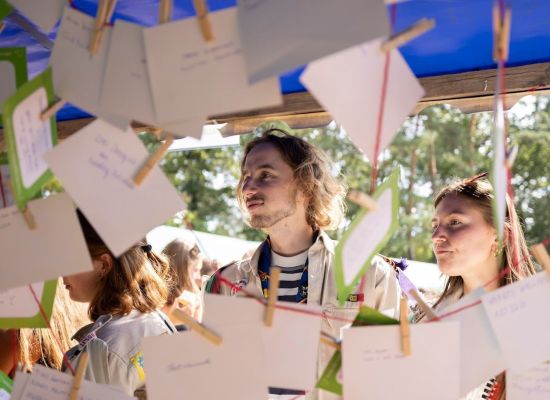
(106, 264)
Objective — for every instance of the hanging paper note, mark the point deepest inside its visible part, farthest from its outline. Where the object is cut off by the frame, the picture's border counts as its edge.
(18, 308)
(126, 87)
(366, 236)
(28, 137)
(353, 98)
(48, 383)
(516, 309)
(13, 70)
(531, 384)
(280, 340)
(6, 385)
(374, 366)
(184, 360)
(6, 198)
(96, 166)
(480, 356)
(77, 74)
(282, 35)
(331, 379)
(193, 78)
(499, 177)
(55, 248)
(5, 9)
(44, 13)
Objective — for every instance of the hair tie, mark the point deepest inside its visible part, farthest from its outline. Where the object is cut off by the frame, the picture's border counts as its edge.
(147, 248)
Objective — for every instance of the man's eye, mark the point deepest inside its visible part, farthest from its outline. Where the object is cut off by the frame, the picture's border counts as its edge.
(265, 175)
(454, 222)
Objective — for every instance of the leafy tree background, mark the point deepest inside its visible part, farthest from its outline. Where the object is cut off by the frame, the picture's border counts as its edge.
(434, 147)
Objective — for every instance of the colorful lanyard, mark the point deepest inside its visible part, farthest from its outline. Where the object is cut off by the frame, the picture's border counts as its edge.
(264, 266)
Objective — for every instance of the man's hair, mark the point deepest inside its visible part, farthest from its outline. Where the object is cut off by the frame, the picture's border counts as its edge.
(139, 279)
(313, 174)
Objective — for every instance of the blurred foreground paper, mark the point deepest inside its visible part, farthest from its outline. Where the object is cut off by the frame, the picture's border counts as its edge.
(375, 368)
(96, 166)
(55, 248)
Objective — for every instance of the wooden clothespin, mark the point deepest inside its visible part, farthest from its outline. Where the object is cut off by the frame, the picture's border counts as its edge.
(274, 278)
(204, 21)
(153, 160)
(27, 215)
(430, 314)
(77, 380)
(329, 341)
(541, 255)
(400, 38)
(165, 11)
(363, 200)
(197, 327)
(404, 326)
(52, 109)
(501, 33)
(104, 14)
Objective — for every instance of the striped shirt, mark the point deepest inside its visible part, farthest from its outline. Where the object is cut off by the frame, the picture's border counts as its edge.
(292, 269)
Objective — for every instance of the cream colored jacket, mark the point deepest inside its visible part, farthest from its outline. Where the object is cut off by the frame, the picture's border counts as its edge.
(381, 290)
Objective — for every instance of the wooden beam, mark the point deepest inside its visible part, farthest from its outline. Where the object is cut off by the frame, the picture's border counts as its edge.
(469, 91)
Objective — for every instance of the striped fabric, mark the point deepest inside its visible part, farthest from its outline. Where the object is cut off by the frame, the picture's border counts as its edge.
(292, 269)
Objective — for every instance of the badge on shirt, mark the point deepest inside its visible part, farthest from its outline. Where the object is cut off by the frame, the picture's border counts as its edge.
(355, 297)
(137, 362)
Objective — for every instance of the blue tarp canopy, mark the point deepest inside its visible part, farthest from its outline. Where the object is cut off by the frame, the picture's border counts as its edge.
(460, 42)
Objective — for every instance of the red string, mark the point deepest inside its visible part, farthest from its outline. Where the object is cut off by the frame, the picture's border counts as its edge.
(45, 318)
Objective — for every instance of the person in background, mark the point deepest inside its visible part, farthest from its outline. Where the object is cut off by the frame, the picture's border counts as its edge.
(209, 266)
(467, 249)
(125, 295)
(30, 346)
(287, 189)
(185, 260)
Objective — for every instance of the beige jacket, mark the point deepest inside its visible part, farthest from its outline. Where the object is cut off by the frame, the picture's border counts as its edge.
(381, 290)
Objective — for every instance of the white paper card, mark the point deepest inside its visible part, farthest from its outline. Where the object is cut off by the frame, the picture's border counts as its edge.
(55, 248)
(33, 136)
(372, 360)
(353, 98)
(531, 384)
(96, 166)
(44, 13)
(499, 176)
(49, 384)
(77, 74)
(193, 78)
(180, 364)
(364, 239)
(281, 35)
(280, 340)
(7, 83)
(480, 356)
(19, 303)
(517, 310)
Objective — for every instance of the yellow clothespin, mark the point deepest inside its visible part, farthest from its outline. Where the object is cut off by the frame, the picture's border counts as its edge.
(77, 380)
(27, 215)
(104, 15)
(165, 11)
(400, 38)
(52, 109)
(404, 326)
(197, 327)
(501, 33)
(541, 255)
(153, 160)
(204, 21)
(430, 314)
(274, 278)
(363, 200)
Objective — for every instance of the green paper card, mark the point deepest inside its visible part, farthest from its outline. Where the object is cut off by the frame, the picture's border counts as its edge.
(13, 70)
(18, 308)
(6, 385)
(28, 138)
(367, 235)
(5, 9)
(6, 198)
(331, 380)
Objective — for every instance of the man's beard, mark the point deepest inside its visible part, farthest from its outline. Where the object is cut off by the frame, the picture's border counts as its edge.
(267, 221)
